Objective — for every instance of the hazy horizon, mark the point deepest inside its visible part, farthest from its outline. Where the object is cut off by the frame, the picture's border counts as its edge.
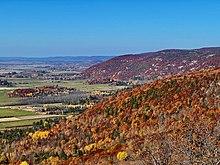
(134, 53)
(105, 28)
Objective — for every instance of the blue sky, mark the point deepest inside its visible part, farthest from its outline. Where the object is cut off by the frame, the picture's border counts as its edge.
(105, 27)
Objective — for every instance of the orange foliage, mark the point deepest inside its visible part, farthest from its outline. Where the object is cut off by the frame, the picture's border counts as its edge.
(169, 121)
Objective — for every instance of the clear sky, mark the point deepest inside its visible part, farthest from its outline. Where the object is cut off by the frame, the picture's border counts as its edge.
(106, 27)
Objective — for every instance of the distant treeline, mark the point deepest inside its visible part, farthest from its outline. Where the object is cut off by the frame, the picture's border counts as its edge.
(5, 83)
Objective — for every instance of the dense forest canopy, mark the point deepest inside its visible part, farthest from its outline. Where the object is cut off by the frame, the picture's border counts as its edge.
(170, 121)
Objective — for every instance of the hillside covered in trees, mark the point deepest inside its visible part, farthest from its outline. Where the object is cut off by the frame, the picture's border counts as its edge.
(170, 121)
(153, 65)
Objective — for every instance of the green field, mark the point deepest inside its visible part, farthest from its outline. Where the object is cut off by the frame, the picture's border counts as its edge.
(21, 123)
(84, 86)
(6, 112)
(27, 82)
(78, 84)
(4, 99)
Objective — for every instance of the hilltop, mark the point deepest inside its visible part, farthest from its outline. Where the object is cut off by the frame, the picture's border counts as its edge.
(175, 120)
(153, 65)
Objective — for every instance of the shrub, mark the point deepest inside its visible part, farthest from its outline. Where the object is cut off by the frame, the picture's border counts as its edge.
(40, 135)
(134, 102)
(24, 163)
(3, 159)
(63, 155)
(115, 134)
(122, 155)
(153, 93)
(52, 160)
(90, 147)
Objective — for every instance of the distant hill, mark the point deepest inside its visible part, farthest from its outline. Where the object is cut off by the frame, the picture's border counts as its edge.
(80, 60)
(152, 65)
(169, 121)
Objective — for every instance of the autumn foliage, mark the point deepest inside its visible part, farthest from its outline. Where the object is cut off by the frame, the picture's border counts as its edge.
(170, 121)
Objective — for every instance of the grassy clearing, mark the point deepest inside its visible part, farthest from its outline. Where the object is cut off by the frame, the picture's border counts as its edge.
(28, 83)
(6, 112)
(83, 86)
(17, 123)
(78, 84)
(4, 99)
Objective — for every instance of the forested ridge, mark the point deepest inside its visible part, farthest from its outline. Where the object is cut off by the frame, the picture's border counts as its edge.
(153, 65)
(169, 121)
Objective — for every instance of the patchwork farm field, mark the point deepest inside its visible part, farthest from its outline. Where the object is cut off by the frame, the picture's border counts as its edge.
(7, 113)
(20, 117)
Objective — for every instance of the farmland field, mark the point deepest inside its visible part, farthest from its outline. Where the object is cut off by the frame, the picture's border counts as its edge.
(6, 112)
(81, 85)
(21, 123)
(78, 84)
(4, 99)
